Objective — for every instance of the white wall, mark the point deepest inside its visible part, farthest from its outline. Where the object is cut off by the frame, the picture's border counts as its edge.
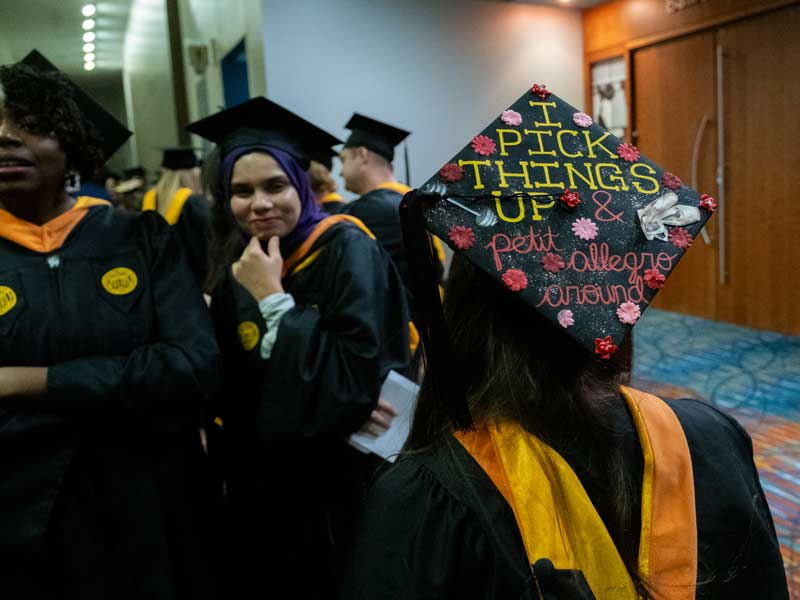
(442, 69)
(147, 79)
(220, 26)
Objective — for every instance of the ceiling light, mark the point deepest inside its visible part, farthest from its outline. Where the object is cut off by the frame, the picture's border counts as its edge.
(88, 47)
(88, 10)
(88, 36)
(89, 58)
(88, 24)
(89, 66)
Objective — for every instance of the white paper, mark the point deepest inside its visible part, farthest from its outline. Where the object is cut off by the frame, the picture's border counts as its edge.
(401, 393)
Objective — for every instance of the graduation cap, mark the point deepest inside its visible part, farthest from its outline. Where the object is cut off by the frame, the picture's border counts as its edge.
(324, 156)
(567, 217)
(374, 135)
(260, 121)
(179, 158)
(112, 132)
(134, 172)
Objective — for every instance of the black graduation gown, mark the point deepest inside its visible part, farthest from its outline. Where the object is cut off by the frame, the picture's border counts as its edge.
(293, 483)
(109, 502)
(193, 229)
(435, 526)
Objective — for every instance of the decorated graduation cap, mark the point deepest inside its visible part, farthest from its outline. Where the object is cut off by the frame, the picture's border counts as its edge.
(379, 137)
(179, 158)
(262, 122)
(576, 223)
(112, 132)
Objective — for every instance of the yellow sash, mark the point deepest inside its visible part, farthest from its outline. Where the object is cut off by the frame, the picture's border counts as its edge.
(534, 479)
(175, 207)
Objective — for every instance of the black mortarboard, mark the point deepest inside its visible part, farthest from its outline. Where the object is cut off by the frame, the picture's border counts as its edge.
(374, 135)
(134, 172)
(577, 224)
(324, 156)
(179, 158)
(261, 121)
(112, 132)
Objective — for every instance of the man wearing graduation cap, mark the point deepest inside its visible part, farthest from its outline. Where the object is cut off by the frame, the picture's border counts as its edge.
(367, 170)
(532, 470)
(177, 197)
(105, 349)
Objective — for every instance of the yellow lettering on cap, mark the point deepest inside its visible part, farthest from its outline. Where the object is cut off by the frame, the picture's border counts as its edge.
(119, 281)
(8, 299)
(249, 334)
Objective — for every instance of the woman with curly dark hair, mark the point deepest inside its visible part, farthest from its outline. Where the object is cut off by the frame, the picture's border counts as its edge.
(105, 349)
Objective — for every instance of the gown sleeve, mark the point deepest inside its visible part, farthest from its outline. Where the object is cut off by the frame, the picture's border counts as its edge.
(416, 540)
(179, 365)
(329, 361)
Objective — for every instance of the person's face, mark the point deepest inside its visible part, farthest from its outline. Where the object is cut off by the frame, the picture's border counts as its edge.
(352, 166)
(263, 200)
(29, 162)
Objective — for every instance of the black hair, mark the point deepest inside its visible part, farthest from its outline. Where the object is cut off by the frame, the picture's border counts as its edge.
(44, 104)
(226, 239)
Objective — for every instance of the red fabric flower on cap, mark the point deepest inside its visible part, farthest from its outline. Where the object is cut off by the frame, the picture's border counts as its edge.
(515, 280)
(451, 173)
(552, 262)
(483, 145)
(708, 203)
(654, 279)
(604, 347)
(680, 238)
(462, 237)
(570, 200)
(540, 90)
(671, 181)
(628, 152)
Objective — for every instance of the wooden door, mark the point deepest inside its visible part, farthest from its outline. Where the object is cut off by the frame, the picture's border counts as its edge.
(673, 96)
(762, 146)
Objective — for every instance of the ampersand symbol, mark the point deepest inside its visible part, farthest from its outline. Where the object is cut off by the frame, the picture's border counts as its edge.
(602, 208)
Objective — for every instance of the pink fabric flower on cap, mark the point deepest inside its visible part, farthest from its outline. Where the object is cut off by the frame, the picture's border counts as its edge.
(565, 318)
(708, 203)
(552, 262)
(671, 181)
(680, 238)
(581, 119)
(462, 237)
(540, 90)
(515, 280)
(604, 347)
(654, 279)
(451, 173)
(511, 117)
(570, 200)
(629, 313)
(586, 229)
(483, 145)
(628, 152)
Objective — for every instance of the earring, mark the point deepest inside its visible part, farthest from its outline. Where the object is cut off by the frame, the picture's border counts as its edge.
(72, 182)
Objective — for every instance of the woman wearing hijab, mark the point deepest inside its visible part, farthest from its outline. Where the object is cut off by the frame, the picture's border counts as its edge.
(106, 353)
(310, 317)
(533, 470)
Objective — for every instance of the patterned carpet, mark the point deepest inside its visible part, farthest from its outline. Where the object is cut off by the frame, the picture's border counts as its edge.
(752, 374)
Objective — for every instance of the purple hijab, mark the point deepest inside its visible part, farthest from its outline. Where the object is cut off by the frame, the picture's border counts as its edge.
(310, 213)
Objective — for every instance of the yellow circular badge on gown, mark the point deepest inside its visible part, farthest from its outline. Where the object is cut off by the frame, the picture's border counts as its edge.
(248, 334)
(8, 299)
(120, 281)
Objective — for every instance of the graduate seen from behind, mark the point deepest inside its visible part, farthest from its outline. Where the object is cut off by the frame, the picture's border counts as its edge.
(106, 355)
(322, 183)
(532, 469)
(311, 316)
(176, 196)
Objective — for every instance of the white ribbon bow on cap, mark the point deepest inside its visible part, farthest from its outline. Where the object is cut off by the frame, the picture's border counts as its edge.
(664, 211)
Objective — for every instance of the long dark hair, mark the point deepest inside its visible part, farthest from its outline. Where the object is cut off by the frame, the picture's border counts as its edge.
(517, 366)
(226, 240)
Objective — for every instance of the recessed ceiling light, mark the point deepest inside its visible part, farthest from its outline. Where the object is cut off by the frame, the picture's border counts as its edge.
(89, 66)
(88, 24)
(88, 47)
(88, 10)
(88, 36)
(89, 58)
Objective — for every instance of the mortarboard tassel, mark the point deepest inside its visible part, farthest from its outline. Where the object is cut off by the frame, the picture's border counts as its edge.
(428, 312)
